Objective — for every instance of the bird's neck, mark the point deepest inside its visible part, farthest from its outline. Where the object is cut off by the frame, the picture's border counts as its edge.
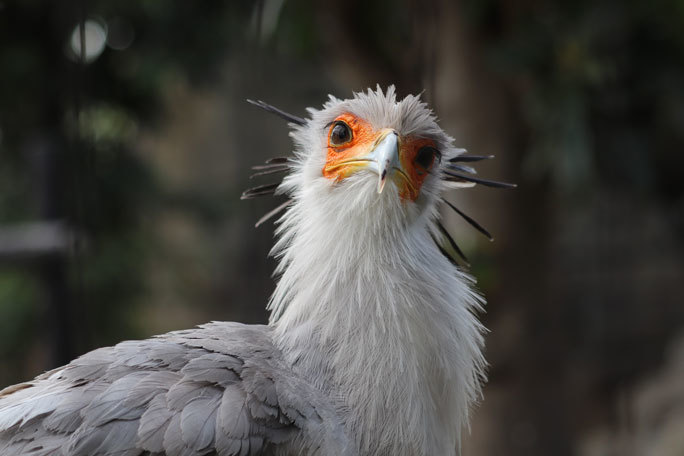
(372, 311)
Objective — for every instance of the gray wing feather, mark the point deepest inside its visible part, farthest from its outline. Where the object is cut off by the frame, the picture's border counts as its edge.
(186, 390)
(67, 414)
(28, 405)
(219, 389)
(213, 367)
(150, 386)
(44, 445)
(110, 405)
(173, 442)
(232, 423)
(115, 438)
(197, 422)
(153, 424)
(89, 366)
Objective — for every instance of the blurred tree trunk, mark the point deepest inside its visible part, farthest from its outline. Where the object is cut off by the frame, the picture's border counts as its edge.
(477, 107)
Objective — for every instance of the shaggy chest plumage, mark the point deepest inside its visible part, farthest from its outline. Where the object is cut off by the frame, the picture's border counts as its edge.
(386, 328)
(385, 338)
(367, 303)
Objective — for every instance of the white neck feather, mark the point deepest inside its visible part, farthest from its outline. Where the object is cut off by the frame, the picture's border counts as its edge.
(370, 309)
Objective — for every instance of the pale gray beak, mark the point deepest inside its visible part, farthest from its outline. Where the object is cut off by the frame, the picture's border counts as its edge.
(385, 156)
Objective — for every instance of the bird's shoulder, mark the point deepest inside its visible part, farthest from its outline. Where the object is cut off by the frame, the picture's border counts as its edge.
(222, 387)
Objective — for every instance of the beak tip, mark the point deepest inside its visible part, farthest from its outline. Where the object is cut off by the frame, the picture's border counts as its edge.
(381, 184)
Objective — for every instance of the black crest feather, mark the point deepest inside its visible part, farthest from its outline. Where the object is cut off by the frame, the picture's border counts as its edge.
(278, 112)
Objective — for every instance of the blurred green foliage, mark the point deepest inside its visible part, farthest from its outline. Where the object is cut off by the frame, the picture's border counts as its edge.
(19, 294)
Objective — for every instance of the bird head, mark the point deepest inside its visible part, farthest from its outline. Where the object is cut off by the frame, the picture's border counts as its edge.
(372, 155)
(372, 159)
(390, 151)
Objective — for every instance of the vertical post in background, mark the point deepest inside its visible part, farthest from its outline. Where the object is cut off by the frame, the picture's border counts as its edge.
(49, 157)
(52, 267)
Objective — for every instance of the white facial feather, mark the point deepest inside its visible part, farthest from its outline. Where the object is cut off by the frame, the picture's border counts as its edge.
(366, 304)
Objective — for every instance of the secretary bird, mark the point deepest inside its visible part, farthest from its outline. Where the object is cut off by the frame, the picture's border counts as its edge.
(372, 348)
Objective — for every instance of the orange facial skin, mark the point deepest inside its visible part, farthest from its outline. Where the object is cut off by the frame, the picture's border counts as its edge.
(416, 173)
(341, 160)
(345, 159)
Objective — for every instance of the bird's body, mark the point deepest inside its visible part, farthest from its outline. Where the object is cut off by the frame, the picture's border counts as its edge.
(222, 389)
(372, 347)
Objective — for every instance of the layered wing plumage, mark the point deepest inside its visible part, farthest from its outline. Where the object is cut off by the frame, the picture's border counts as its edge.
(220, 389)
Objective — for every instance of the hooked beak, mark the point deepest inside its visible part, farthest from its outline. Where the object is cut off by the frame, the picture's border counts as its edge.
(384, 156)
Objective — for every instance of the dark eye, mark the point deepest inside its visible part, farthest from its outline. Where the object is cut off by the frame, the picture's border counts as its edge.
(340, 134)
(425, 157)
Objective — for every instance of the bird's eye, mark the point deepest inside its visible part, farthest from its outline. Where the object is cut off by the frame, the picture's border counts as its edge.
(425, 157)
(340, 134)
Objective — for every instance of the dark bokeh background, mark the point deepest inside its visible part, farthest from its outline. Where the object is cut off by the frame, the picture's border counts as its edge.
(122, 161)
